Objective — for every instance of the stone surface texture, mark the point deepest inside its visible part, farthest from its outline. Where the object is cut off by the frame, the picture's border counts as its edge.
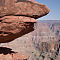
(17, 18)
(35, 44)
(26, 8)
(12, 27)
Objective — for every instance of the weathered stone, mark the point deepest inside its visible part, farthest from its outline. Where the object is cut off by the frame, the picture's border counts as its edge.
(26, 8)
(12, 27)
(18, 56)
(14, 56)
(6, 57)
(31, 9)
(43, 38)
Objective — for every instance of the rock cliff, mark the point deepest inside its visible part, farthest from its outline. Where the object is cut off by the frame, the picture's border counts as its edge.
(18, 17)
(12, 27)
(41, 42)
(27, 8)
(46, 42)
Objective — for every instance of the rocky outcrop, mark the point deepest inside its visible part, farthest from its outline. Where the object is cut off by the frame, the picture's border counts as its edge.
(12, 27)
(17, 17)
(31, 9)
(26, 8)
(55, 27)
(40, 44)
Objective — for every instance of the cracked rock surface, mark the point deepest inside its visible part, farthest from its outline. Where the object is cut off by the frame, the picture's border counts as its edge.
(17, 18)
(12, 27)
(26, 8)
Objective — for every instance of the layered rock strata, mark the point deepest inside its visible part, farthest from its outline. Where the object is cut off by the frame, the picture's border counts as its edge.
(12, 27)
(18, 17)
(46, 43)
(44, 39)
(41, 46)
(26, 8)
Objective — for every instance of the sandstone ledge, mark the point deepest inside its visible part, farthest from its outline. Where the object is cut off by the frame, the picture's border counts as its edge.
(27, 8)
(12, 27)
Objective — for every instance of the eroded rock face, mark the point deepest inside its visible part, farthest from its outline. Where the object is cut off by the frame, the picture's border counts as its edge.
(26, 8)
(12, 27)
(17, 17)
(31, 9)
(48, 49)
(14, 56)
(43, 38)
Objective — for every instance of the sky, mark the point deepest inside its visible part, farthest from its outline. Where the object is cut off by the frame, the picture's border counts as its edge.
(54, 6)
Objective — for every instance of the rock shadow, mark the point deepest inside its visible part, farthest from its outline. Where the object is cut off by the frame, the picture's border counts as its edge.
(5, 50)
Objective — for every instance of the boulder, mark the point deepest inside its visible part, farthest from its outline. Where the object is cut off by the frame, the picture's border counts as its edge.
(12, 27)
(31, 9)
(24, 8)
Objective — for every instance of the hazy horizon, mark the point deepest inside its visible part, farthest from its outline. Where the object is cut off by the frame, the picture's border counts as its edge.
(54, 9)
